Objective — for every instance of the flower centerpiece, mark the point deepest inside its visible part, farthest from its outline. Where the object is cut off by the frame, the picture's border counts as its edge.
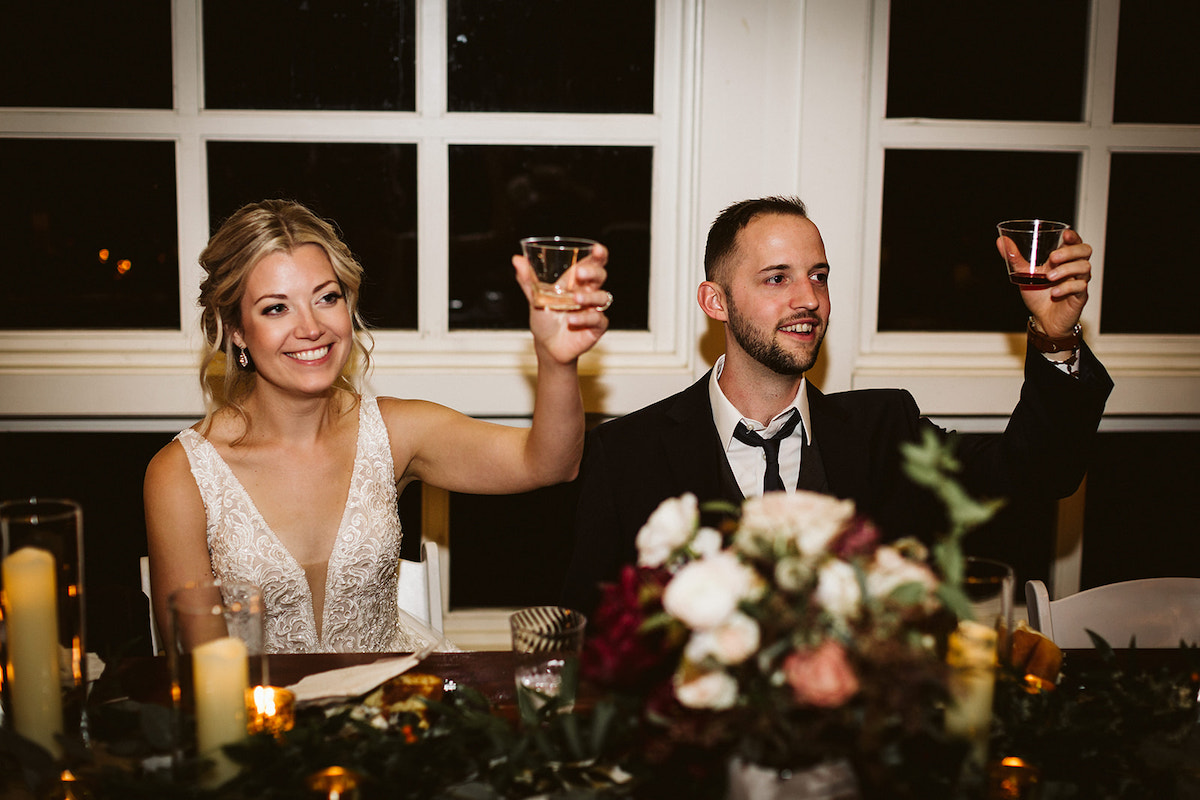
(788, 636)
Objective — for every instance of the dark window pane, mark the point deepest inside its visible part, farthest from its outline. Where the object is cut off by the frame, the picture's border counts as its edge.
(1151, 196)
(90, 234)
(1158, 65)
(115, 54)
(320, 54)
(369, 190)
(1141, 507)
(1024, 60)
(501, 193)
(551, 56)
(939, 268)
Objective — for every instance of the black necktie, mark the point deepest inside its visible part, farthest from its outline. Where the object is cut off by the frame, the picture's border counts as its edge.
(771, 480)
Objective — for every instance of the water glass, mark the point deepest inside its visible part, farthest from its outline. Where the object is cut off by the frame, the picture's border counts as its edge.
(988, 584)
(552, 258)
(547, 641)
(1026, 244)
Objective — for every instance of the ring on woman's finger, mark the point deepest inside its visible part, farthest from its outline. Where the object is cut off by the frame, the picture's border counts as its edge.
(607, 302)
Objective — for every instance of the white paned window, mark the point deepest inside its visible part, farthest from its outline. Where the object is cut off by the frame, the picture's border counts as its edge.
(974, 117)
(435, 133)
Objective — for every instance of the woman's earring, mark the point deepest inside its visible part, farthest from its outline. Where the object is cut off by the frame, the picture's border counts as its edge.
(243, 359)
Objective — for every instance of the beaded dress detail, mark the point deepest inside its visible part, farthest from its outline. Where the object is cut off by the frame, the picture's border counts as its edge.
(361, 613)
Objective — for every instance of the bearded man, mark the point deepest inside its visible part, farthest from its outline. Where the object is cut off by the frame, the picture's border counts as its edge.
(755, 424)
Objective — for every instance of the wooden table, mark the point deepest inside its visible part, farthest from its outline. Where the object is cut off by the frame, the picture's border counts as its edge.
(148, 679)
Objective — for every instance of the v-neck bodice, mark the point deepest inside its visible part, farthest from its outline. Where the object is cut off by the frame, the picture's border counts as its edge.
(360, 608)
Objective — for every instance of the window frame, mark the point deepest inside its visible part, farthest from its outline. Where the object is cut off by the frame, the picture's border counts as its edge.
(485, 373)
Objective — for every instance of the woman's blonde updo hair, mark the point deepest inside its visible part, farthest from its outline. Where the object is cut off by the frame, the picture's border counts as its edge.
(245, 238)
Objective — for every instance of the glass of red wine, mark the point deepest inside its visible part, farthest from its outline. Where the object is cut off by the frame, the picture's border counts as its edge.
(1026, 244)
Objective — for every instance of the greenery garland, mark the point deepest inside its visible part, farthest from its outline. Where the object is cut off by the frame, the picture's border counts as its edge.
(1111, 730)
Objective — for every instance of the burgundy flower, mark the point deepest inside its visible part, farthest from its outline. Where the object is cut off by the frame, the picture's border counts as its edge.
(859, 538)
(617, 652)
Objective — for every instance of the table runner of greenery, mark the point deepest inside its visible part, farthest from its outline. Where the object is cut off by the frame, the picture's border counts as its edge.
(1111, 729)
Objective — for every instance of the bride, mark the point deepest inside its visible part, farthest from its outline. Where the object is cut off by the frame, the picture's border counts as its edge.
(290, 480)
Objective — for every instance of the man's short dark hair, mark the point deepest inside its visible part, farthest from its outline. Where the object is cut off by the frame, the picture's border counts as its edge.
(722, 236)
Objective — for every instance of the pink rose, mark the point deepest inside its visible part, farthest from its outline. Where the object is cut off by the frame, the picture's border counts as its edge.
(821, 677)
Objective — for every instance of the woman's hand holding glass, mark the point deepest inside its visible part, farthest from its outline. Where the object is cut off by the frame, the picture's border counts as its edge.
(566, 335)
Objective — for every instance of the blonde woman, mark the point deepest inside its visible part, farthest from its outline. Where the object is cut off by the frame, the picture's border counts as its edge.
(290, 480)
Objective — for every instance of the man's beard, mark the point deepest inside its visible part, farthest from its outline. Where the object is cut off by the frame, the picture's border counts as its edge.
(767, 350)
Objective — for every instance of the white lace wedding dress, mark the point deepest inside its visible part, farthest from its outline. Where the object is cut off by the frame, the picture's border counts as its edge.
(360, 609)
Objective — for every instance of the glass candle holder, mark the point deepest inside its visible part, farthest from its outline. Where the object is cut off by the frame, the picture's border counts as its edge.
(216, 656)
(44, 656)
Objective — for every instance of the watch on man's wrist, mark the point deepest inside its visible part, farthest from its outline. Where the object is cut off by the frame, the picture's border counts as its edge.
(1044, 343)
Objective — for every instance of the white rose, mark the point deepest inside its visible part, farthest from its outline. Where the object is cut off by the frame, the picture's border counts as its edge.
(838, 591)
(891, 569)
(668, 529)
(809, 519)
(704, 593)
(706, 542)
(715, 690)
(731, 642)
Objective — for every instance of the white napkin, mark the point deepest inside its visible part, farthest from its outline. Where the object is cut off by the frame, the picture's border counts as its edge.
(346, 682)
(338, 684)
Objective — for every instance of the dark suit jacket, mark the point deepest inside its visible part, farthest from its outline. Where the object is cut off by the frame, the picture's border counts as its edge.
(633, 463)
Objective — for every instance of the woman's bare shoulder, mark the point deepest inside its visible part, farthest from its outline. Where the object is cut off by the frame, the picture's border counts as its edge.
(168, 464)
(170, 494)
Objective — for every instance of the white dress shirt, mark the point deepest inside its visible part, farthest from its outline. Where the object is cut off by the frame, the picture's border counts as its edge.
(749, 463)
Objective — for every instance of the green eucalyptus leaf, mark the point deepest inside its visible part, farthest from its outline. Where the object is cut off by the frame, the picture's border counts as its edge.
(909, 593)
(956, 601)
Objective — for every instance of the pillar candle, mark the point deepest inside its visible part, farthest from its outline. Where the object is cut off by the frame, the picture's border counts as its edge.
(31, 614)
(222, 677)
(971, 655)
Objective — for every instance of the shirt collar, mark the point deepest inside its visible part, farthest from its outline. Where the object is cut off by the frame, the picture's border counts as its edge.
(727, 417)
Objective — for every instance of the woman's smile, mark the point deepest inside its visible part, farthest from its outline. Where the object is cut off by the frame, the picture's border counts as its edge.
(316, 354)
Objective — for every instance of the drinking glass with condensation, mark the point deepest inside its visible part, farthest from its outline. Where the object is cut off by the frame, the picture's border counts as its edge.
(553, 259)
(1026, 245)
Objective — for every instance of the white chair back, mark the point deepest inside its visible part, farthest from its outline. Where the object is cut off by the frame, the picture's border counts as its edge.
(1159, 612)
(419, 589)
(144, 562)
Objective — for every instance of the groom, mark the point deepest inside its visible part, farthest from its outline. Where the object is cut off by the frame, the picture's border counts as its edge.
(754, 424)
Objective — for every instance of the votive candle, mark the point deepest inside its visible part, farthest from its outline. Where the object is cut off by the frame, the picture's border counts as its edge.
(272, 710)
(221, 671)
(336, 783)
(31, 615)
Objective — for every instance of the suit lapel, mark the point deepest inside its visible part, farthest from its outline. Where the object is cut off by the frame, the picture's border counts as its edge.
(841, 451)
(693, 447)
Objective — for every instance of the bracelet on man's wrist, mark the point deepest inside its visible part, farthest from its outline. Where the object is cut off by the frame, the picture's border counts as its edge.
(1044, 343)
